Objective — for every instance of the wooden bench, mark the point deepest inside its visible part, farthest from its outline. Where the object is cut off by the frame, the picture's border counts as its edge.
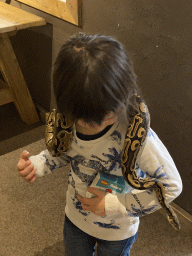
(15, 89)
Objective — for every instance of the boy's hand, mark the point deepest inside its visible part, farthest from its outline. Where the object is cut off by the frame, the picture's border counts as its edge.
(95, 205)
(25, 168)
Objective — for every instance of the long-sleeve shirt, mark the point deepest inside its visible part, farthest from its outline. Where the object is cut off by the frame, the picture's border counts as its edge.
(95, 160)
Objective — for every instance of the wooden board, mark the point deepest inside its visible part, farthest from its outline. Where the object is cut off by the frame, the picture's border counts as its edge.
(69, 10)
(15, 88)
(6, 94)
(13, 18)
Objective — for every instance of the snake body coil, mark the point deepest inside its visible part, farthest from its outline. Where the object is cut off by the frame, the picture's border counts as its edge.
(58, 134)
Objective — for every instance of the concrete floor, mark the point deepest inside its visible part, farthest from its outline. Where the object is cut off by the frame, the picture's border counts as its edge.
(32, 215)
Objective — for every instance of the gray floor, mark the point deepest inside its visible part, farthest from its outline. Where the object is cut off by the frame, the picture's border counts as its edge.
(32, 215)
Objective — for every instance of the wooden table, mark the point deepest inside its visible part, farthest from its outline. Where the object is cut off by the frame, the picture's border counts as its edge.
(15, 89)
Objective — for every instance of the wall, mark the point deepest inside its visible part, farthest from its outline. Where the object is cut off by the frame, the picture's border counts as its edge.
(158, 36)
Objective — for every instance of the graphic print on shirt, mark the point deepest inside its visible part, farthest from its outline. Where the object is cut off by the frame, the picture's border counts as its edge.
(52, 165)
(108, 226)
(95, 165)
(110, 163)
(114, 158)
(139, 212)
(142, 211)
(85, 178)
(150, 134)
(76, 202)
(113, 161)
(116, 136)
(158, 174)
(140, 172)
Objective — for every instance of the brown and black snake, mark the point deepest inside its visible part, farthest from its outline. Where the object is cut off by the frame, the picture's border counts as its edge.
(58, 135)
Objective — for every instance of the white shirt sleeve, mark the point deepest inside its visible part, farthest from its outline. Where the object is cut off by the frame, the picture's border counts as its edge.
(156, 162)
(45, 163)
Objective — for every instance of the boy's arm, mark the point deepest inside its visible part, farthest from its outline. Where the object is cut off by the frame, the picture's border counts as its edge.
(156, 162)
(44, 163)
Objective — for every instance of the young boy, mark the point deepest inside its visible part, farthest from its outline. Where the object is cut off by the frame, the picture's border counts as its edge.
(93, 81)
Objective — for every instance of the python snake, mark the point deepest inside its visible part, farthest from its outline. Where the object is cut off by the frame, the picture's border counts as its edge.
(58, 135)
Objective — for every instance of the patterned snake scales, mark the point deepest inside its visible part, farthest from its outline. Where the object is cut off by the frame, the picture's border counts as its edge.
(58, 134)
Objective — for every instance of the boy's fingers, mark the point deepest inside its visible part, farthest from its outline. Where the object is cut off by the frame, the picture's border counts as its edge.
(22, 164)
(23, 161)
(25, 154)
(31, 180)
(27, 170)
(31, 175)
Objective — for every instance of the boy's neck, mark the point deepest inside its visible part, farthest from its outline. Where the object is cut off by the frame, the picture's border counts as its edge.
(87, 131)
(91, 131)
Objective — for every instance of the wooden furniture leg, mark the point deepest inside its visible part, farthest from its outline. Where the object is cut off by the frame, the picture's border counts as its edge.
(15, 86)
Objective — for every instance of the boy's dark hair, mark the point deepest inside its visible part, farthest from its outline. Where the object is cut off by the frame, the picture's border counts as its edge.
(92, 76)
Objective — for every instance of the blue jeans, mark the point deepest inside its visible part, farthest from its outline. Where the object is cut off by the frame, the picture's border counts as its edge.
(80, 243)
